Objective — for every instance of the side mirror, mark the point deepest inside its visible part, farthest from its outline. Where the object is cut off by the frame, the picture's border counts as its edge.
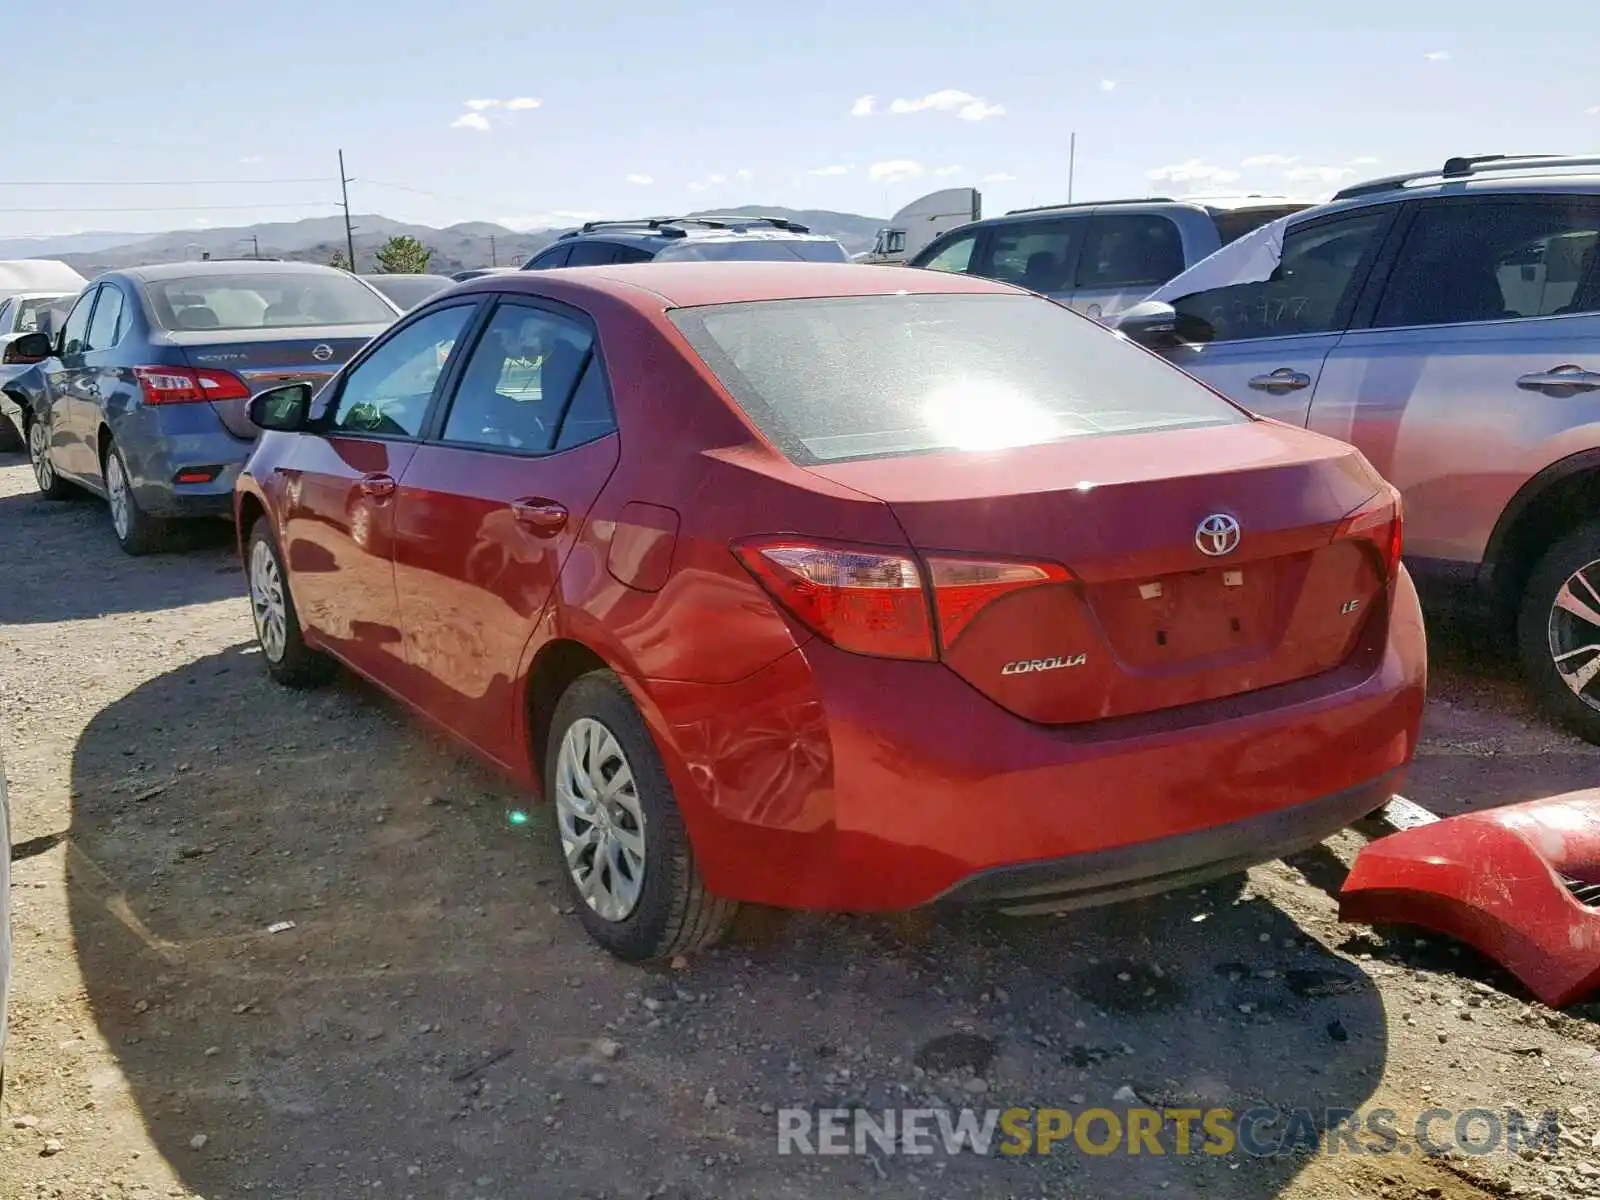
(1156, 324)
(29, 348)
(286, 408)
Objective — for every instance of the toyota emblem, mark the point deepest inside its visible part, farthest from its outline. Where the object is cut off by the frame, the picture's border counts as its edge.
(322, 353)
(1217, 535)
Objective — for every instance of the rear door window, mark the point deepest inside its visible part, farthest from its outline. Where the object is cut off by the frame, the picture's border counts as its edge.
(1037, 255)
(870, 376)
(551, 258)
(1130, 250)
(106, 328)
(1495, 259)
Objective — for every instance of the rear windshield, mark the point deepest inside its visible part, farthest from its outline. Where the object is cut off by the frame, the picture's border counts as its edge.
(1231, 226)
(265, 301)
(755, 250)
(873, 376)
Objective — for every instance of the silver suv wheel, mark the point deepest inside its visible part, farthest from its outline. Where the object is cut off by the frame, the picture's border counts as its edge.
(1574, 633)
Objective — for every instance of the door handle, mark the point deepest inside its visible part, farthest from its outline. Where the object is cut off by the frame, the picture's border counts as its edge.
(378, 485)
(1284, 379)
(544, 518)
(1568, 377)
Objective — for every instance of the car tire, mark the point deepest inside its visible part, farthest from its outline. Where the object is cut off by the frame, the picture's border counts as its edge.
(1547, 630)
(137, 531)
(289, 660)
(51, 486)
(10, 438)
(595, 735)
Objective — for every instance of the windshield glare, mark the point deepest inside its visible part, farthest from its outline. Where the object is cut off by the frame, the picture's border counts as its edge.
(265, 301)
(872, 376)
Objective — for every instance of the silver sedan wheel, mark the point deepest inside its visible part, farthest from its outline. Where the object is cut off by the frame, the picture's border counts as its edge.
(1575, 633)
(117, 492)
(44, 473)
(601, 821)
(267, 602)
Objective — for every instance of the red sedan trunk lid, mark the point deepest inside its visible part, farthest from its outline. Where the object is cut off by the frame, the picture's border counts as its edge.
(1149, 619)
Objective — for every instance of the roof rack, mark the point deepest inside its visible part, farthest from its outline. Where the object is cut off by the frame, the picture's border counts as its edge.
(1094, 204)
(673, 226)
(1466, 166)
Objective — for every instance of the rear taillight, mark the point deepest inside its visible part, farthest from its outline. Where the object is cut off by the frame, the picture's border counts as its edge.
(180, 385)
(875, 602)
(963, 587)
(1380, 523)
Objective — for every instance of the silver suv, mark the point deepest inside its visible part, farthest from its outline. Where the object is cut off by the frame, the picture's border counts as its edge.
(1447, 323)
(1100, 257)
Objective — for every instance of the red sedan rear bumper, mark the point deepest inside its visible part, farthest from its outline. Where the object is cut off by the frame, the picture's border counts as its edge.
(1506, 881)
(833, 781)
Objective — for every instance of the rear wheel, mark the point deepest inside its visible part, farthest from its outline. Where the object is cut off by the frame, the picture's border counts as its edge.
(1558, 632)
(289, 660)
(626, 856)
(51, 486)
(137, 532)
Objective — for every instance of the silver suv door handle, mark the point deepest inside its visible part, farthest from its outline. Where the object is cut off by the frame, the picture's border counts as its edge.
(1284, 379)
(1567, 377)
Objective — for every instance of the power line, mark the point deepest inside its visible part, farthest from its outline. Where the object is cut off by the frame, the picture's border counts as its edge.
(155, 182)
(177, 208)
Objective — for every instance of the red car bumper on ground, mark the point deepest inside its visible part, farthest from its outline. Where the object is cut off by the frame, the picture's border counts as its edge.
(1520, 883)
(836, 781)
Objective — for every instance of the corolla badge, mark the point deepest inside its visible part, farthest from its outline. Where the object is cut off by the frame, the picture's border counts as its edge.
(1026, 666)
(322, 353)
(1217, 535)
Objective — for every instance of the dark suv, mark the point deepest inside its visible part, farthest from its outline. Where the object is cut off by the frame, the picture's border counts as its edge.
(679, 238)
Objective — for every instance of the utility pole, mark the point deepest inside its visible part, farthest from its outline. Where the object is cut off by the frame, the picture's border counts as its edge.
(1072, 162)
(493, 261)
(256, 242)
(349, 230)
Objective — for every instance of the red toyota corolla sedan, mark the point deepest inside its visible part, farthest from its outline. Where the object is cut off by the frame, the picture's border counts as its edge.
(842, 587)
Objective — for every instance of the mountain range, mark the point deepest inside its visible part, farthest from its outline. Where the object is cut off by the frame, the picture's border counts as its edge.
(315, 239)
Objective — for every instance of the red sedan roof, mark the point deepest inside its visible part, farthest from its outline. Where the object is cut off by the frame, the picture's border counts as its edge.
(688, 284)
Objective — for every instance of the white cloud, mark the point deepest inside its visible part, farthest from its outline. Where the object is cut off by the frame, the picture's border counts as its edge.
(1366, 160)
(834, 169)
(1192, 171)
(963, 104)
(1437, 55)
(1271, 160)
(480, 105)
(999, 177)
(559, 219)
(710, 181)
(641, 180)
(864, 106)
(946, 172)
(1108, 85)
(471, 120)
(744, 175)
(1593, 110)
(251, 160)
(523, 102)
(1327, 175)
(895, 170)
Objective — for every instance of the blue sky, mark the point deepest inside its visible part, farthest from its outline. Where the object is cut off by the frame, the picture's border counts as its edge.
(752, 103)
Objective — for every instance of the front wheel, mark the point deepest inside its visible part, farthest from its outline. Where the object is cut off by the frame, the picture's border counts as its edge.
(51, 486)
(626, 856)
(289, 660)
(137, 531)
(1558, 632)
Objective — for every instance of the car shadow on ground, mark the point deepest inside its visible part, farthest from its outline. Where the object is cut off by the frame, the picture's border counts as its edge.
(202, 566)
(433, 1021)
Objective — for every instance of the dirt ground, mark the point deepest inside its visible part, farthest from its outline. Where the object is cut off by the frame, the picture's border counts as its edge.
(435, 1025)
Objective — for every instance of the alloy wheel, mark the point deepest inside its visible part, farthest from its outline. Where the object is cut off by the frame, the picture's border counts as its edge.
(1574, 630)
(267, 602)
(44, 474)
(600, 818)
(117, 493)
